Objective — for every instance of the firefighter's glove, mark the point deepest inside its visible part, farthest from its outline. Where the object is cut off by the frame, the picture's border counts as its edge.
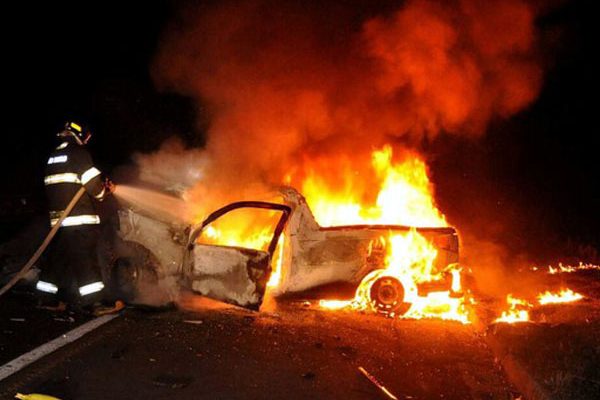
(109, 186)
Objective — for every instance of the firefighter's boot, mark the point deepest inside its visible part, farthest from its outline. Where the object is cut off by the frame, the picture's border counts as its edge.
(113, 309)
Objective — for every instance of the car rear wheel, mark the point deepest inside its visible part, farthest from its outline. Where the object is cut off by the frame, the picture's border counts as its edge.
(387, 296)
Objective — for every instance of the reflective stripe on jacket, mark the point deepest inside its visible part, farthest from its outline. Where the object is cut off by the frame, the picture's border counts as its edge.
(68, 168)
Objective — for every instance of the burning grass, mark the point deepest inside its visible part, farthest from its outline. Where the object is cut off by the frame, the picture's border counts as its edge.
(564, 296)
(572, 268)
(518, 310)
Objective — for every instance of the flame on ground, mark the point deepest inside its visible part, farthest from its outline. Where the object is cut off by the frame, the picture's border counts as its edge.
(564, 296)
(518, 311)
(570, 268)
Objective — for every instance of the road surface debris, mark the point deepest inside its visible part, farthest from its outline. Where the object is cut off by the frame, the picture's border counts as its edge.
(376, 382)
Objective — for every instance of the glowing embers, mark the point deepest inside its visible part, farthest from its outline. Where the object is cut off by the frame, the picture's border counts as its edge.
(394, 290)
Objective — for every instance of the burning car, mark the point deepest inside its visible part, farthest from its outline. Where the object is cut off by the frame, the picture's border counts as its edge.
(314, 255)
(297, 254)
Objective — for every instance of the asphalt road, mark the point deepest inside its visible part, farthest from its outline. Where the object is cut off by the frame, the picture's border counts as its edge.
(23, 326)
(294, 353)
(209, 350)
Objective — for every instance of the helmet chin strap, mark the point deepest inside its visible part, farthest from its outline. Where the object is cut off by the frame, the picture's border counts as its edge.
(79, 142)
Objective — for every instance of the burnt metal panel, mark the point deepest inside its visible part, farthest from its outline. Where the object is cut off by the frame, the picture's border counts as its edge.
(233, 274)
(163, 240)
(317, 255)
(230, 274)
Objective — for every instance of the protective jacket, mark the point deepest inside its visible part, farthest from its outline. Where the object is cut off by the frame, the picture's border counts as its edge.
(69, 167)
(74, 272)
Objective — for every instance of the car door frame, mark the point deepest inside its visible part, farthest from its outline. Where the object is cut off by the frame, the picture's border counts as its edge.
(198, 229)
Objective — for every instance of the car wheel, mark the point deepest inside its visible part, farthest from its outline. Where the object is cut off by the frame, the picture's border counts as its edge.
(387, 296)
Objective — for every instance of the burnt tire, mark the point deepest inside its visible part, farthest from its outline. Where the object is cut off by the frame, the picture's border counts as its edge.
(387, 296)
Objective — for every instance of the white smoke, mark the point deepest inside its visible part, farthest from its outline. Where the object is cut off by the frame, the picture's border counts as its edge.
(173, 167)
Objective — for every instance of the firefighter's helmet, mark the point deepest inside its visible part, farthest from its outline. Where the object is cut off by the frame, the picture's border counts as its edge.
(79, 132)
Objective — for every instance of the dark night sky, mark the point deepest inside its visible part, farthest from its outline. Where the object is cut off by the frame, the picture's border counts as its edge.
(538, 171)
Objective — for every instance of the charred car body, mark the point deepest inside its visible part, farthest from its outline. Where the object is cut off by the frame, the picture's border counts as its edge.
(311, 256)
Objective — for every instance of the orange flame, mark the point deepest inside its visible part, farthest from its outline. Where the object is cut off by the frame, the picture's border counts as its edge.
(409, 260)
(275, 278)
(248, 228)
(564, 296)
(404, 195)
(518, 311)
(571, 268)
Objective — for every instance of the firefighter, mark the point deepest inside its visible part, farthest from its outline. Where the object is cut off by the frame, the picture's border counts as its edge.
(73, 274)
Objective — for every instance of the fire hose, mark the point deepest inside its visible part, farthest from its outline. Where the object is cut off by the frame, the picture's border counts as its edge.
(44, 244)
